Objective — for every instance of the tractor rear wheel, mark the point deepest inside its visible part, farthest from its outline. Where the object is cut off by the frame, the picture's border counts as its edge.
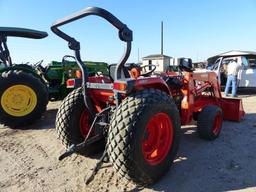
(23, 98)
(73, 122)
(209, 122)
(144, 136)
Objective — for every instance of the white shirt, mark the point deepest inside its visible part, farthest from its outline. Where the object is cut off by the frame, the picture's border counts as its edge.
(233, 68)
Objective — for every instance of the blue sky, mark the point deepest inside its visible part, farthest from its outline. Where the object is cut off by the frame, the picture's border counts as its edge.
(192, 28)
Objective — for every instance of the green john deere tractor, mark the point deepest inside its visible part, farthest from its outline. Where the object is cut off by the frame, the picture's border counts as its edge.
(57, 73)
(26, 89)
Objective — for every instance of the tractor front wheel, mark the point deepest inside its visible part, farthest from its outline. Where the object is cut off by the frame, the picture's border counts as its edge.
(209, 122)
(73, 123)
(144, 136)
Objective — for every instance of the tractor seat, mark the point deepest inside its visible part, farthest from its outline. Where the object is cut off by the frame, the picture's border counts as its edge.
(173, 82)
(112, 69)
(22, 32)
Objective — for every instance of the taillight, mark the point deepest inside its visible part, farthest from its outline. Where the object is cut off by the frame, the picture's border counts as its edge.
(70, 83)
(78, 74)
(120, 86)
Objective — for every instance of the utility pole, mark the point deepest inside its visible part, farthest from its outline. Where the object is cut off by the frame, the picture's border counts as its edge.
(138, 55)
(162, 38)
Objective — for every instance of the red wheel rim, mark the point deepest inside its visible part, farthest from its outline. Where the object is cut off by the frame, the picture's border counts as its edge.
(217, 124)
(157, 138)
(84, 123)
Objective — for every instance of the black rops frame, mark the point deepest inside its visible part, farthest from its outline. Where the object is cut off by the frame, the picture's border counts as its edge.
(4, 51)
(125, 34)
(15, 32)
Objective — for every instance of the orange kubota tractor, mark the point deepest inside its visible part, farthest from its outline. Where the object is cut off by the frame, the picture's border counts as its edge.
(137, 116)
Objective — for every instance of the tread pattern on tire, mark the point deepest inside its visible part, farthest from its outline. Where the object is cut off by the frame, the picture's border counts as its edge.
(66, 131)
(63, 118)
(120, 131)
(41, 92)
(206, 120)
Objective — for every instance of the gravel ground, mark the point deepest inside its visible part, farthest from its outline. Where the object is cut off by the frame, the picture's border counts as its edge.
(28, 160)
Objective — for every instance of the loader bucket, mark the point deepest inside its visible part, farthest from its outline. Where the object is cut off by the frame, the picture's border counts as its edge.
(232, 109)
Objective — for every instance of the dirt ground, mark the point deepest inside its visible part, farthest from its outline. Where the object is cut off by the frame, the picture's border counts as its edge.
(29, 160)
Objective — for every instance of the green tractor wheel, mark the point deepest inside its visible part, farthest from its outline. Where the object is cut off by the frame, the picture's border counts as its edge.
(23, 98)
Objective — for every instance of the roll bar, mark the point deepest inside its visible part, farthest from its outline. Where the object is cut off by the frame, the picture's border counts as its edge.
(15, 32)
(22, 32)
(125, 34)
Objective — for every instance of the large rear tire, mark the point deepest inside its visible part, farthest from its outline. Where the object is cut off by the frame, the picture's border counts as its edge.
(209, 122)
(23, 98)
(144, 136)
(73, 122)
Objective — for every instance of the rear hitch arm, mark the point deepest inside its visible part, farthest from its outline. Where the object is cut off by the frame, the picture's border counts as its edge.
(97, 167)
(76, 148)
(87, 141)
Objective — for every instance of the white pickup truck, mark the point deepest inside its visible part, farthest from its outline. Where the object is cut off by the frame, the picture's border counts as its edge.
(246, 76)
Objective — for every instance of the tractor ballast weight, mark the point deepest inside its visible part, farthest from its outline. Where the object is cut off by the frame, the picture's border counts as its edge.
(138, 115)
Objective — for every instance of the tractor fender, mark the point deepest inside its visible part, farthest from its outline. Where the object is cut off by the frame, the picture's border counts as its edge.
(25, 68)
(145, 83)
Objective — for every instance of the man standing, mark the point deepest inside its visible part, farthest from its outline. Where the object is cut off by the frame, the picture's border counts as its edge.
(232, 71)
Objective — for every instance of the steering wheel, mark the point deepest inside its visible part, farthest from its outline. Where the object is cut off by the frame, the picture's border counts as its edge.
(147, 74)
(65, 59)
